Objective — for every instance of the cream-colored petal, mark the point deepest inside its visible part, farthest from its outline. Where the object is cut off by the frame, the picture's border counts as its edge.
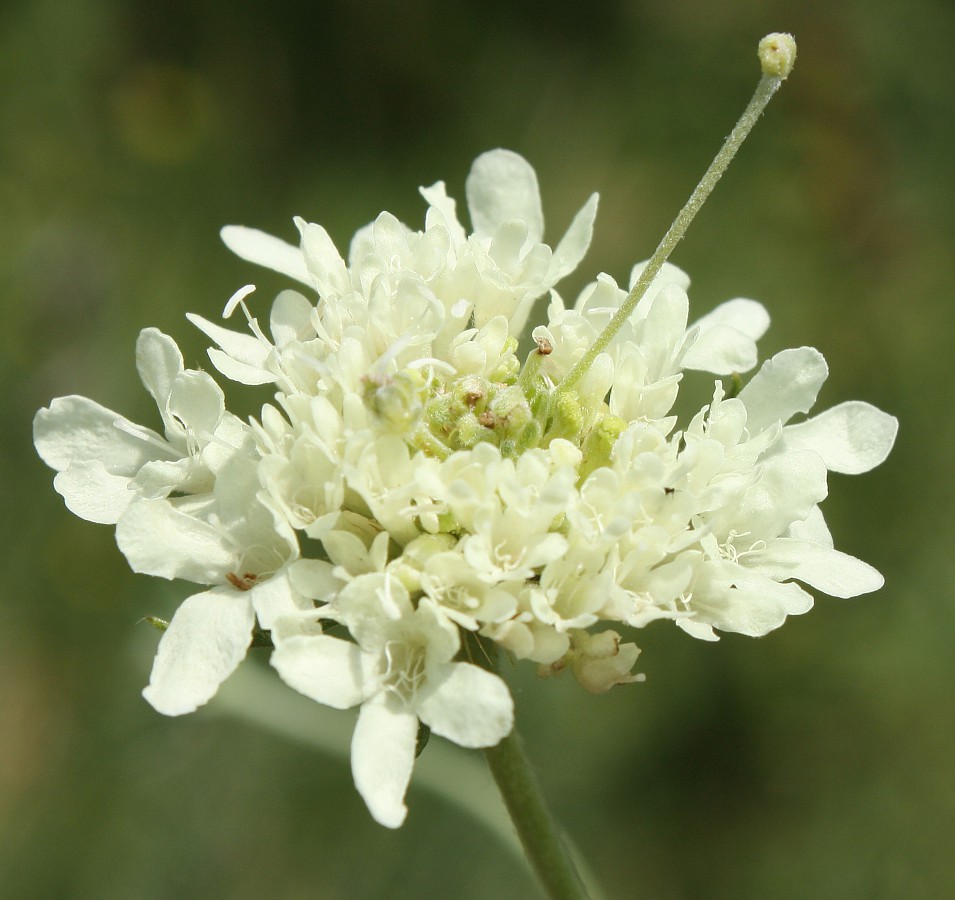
(852, 437)
(752, 604)
(324, 262)
(158, 361)
(722, 350)
(382, 758)
(467, 705)
(158, 539)
(576, 241)
(291, 318)
(275, 596)
(785, 385)
(79, 429)
(242, 358)
(92, 493)
(265, 250)
(836, 574)
(204, 644)
(501, 187)
(329, 670)
(748, 316)
(196, 404)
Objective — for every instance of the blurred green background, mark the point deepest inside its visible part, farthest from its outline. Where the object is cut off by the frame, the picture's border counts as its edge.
(816, 762)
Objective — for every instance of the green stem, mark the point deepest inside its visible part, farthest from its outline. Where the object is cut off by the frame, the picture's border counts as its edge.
(546, 850)
(767, 86)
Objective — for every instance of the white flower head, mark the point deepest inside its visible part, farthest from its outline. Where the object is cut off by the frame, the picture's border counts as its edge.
(418, 495)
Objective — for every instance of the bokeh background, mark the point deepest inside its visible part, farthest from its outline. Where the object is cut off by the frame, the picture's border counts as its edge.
(815, 762)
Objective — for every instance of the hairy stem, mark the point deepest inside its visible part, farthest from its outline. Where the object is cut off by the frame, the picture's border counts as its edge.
(539, 834)
(768, 85)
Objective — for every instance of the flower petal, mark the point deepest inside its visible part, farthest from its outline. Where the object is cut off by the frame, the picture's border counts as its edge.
(721, 350)
(158, 539)
(753, 604)
(785, 385)
(77, 428)
(748, 316)
(852, 437)
(240, 372)
(469, 706)
(204, 644)
(242, 358)
(263, 249)
(443, 211)
(727, 338)
(836, 574)
(502, 187)
(382, 757)
(314, 578)
(324, 262)
(507, 245)
(576, 241)
(92, 493)
(291, 318)
(668, 274)
(788, 488)
(327, 669)
(196, 405)
(158, 361)
(275, 596)
(698, 630)
(812, 528)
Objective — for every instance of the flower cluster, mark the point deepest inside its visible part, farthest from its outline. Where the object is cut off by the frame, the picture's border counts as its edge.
(418, 492)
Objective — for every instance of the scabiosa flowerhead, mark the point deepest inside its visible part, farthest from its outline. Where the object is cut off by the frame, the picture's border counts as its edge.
(418, 492)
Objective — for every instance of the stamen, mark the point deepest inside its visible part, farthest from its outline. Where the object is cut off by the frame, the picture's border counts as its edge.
(533, 363)
(236, 299)
(392, 352)
(388, 602)
(145, 435)
(243, 582)
(265, 561)
(311, 362)
(433, 363)
(208, 437)
(405, 669)
(777, 53)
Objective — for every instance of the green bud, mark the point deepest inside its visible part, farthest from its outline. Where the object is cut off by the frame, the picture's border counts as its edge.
(509, 366)
(567, 417)
(439, 413)
(470, 430)
(598, 445)
(422, 548)
(511, 408)
(528, 437)
(395, 399)
(470, 394)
